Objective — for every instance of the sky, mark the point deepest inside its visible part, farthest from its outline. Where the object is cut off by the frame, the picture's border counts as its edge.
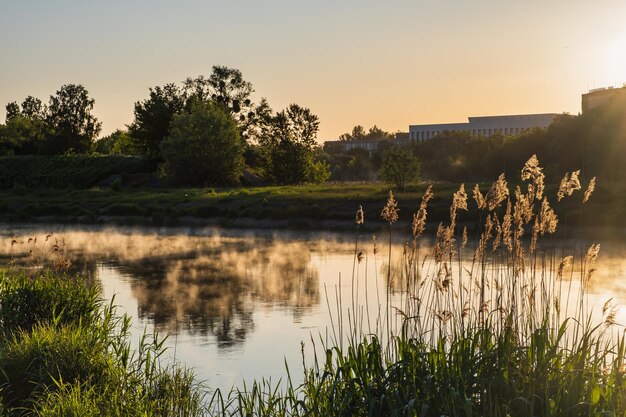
(352, 62)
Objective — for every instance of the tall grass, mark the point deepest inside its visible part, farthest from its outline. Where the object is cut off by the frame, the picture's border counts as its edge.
(479, 331)
(64, 353)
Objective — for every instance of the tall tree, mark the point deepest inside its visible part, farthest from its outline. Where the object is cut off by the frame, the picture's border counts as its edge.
(289, 143)
(33, 108)
(153, 117)
(71, 120)
(12, 110)
(203, 147)
(227, 88)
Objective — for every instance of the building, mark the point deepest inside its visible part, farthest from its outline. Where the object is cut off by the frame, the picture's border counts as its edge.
(484, 126)
(600, 96)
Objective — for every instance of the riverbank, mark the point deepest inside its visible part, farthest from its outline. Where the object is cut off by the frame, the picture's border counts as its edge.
(320, 207)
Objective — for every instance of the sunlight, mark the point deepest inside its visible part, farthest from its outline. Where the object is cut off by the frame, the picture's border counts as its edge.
(616, 61)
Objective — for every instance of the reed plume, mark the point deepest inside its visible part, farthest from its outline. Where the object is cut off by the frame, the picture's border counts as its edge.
(532, 171)
(390, 211)
(419, 218)
(569, 184)
(360, 216)
(479, 198)
(498, 192)
(590, 188)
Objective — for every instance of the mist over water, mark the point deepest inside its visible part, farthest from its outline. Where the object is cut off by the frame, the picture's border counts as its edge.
(239, 304)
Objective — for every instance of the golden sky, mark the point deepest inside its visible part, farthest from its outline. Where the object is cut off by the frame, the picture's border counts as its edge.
(351, 62)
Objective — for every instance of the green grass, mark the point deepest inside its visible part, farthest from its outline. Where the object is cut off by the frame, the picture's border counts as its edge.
(329, 206)
(64, 353)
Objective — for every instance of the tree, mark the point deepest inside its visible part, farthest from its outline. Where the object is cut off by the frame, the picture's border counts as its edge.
(12, 110)
(70, 119)
(22, 136)
(204, 147)
(25, 128)
(227, 88)
(359, 133)
(117, 143)
(33, 108)
(289, 142)
(153, 117)
(399, 167)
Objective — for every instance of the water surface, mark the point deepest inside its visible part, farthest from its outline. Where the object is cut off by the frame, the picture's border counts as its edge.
(238, 305)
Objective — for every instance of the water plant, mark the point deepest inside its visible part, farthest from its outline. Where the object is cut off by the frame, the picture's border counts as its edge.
(480, 329)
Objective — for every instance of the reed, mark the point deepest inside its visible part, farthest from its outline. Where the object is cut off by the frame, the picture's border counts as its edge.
(481, 329)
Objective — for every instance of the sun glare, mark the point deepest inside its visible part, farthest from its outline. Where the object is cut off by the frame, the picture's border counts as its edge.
(616, 61)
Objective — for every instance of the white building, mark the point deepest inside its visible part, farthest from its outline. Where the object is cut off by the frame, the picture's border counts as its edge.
(484, 126)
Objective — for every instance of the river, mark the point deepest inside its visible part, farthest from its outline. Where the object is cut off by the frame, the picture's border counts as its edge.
(238, 305)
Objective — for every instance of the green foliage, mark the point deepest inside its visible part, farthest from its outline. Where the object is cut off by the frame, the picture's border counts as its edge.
(227, 88)
(117, 143)
(399, 167)
(374, 133)
(32, 362)
(319, 172)
(69, 118)
(69, 356)
(204, 147)
(44, 299)
(22, 136)
(288, 143)
(65, 125)
(153, 117)
(67, 171)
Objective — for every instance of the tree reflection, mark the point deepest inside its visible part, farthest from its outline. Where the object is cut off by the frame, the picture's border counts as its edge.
(200, 285)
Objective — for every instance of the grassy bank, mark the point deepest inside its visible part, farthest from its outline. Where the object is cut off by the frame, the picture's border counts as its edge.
(63, 352)
(312, 206)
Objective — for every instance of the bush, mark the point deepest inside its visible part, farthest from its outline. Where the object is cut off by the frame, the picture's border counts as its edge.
(203, 147)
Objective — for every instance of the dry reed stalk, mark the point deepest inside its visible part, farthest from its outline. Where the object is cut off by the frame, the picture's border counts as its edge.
(532, 171)
(390, 211)
(498, 192)
(459, 202)
(419, 218)
(360, 216)
(548, 218)
(464, 239)
(497, 238)
(590, 188)
(569, 184)
(479, 198)
(507, 223)
(565, 262)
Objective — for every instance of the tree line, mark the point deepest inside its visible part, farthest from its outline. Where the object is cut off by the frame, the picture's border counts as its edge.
(204, 131)
(594, 142)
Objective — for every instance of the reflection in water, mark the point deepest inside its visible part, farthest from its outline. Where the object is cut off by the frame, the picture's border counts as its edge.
(206, 284)
(229, 297)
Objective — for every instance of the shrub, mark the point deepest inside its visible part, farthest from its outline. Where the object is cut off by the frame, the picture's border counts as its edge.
(203, 147)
